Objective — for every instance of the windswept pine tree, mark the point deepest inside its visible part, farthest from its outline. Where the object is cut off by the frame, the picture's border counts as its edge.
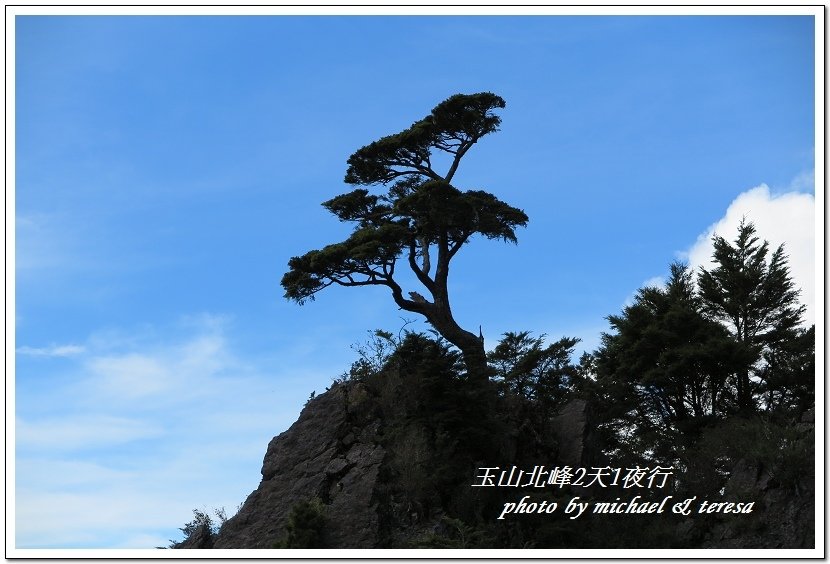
(421, 221)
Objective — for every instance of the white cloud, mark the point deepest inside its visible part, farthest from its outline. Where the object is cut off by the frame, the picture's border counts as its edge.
(804, 182)
(52, 350)
(158, 374)
(787, 218)
(43, 241)
(117, 449)
(653, 282)
(81, 432)
(55, 518)
(130, 376)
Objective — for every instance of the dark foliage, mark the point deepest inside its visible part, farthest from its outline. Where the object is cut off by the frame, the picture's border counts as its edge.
(788, 373)
(757, 301)
(201, 531)
(665, 385)
(439, 423)
(305, 527)
(542, 375)
(421, 220)
(713, 378)
(662, 374)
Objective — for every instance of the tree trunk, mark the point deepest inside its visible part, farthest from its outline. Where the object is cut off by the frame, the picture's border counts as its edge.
(439, 315)
(471, 346)
(745, 402)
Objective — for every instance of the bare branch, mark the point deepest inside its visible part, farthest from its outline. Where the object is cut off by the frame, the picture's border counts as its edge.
(458, 244)
(422, 276)
(457, 160)
(368, 282)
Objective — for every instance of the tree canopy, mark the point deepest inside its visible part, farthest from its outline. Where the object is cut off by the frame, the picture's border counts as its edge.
(703, 349)
(757, 300)
(421, 219)
(664, 369)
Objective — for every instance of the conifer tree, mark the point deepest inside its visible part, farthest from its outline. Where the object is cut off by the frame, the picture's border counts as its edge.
(662, 371)
(542, 375)
(421, 220)
(755, 298)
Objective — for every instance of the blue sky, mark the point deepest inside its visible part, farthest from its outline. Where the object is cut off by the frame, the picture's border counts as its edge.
(168, 167)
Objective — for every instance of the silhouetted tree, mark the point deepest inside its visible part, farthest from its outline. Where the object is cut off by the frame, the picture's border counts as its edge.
(663, 370)
(788, 374)
(540, 374)
(681, 358)
(756, 299)
(421, 219)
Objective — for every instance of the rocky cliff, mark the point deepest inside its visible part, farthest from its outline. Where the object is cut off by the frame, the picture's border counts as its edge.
(329, 454)
(349, 474)
(334, 453)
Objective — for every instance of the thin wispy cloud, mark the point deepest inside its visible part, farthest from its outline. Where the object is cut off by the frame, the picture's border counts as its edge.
(44, 241)
(52, 350)
(135, 433)
(81, 432)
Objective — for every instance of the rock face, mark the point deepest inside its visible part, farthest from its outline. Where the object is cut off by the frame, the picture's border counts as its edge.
(572, 429)
(335, 456)
(329, 453)
(333, 453)
(785, 506)
(784, 518)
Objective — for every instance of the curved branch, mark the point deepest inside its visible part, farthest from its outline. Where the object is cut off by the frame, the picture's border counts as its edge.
(368, 282)
(421, 274)
(424, 308)
(462, 150)
(458, 244)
